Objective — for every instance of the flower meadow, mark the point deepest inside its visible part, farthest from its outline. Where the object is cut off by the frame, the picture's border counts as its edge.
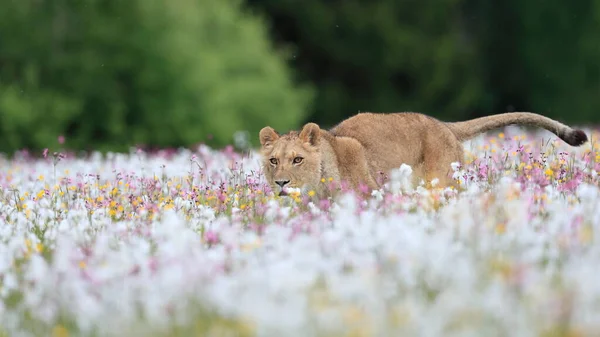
(193, 243)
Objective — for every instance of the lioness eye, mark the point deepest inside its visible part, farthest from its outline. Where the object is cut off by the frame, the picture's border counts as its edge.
(298, 160)
(274, 161)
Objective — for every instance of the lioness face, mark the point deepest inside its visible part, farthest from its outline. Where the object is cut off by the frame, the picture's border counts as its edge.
(292, 160)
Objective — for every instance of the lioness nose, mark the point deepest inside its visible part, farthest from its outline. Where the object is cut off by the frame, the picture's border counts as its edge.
(282, 182)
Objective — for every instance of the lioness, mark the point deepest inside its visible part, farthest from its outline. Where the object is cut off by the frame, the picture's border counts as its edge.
(363, 147)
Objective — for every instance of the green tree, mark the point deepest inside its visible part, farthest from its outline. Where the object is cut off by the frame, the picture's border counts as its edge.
(383, 55)
(561, 57)
(111, 74)
(540, 56)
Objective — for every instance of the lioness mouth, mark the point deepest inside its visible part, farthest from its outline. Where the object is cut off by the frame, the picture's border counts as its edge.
(283, 193)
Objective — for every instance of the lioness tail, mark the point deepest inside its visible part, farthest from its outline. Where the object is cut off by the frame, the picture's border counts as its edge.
(469, 129)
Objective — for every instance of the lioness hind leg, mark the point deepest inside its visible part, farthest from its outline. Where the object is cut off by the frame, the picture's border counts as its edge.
(438, 159)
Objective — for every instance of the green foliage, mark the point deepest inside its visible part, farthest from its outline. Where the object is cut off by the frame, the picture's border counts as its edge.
(112, 74)
(381, 55)
(541, 56)
(561, 57)
(453, 59)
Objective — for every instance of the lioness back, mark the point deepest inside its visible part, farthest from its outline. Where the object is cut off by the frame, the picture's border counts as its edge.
(393, 139)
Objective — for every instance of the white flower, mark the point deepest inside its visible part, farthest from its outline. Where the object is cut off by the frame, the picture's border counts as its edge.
(401, 179)
(377, 194)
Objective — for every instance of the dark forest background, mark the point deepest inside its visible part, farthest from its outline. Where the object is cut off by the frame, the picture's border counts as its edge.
(111, 74)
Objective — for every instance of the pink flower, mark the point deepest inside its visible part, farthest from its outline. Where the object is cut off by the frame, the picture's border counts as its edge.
(61, 139)
(222, 196)
(325, 204)
(211, 237)
(45, 153)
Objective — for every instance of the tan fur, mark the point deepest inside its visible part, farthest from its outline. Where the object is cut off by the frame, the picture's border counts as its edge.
(367, 146)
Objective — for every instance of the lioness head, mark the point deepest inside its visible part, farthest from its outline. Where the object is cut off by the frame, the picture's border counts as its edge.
(292, 160)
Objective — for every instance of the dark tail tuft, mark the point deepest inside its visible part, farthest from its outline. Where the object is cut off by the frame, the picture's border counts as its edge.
(575, 138)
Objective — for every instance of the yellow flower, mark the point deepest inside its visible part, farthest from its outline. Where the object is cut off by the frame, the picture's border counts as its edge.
(250, 246)
(311, 193)
(82, 264)
(39, 247)
(322, 180)
(41, 177)
(501, 135)
(501, 267)
(549, 172)
(586, 234)
(243, 206)
(500, 228)
(60, 331)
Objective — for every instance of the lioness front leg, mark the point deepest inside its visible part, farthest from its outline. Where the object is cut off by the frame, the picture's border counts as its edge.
(353, 164)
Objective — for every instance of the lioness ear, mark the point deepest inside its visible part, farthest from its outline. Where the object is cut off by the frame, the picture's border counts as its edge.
(267, 135)
(310, 134)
